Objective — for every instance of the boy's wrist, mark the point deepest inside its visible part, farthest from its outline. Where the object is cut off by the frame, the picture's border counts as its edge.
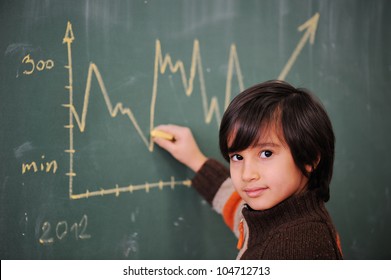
(197, 163)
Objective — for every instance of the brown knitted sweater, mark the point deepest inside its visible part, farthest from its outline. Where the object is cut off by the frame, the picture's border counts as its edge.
(297, 228)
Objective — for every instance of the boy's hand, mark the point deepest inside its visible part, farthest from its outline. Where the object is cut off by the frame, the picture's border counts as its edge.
(184, 148)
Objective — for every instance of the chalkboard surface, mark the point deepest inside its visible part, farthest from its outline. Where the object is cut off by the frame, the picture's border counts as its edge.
(83, 82)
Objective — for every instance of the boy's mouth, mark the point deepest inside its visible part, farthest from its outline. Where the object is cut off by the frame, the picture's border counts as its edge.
(255, 192)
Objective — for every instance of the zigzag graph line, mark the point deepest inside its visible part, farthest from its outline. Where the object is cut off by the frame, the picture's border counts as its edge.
(161, 64)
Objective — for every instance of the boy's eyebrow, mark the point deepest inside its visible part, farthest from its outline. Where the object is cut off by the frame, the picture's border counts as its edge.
(266, 144)
(260, 145)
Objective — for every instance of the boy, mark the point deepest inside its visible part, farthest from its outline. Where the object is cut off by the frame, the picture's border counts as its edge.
(279, 143)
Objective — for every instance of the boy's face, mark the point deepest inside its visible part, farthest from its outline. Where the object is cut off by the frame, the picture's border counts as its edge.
(265, 174)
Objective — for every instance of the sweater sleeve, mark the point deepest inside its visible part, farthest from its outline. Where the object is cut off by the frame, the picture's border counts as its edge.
(209, 179)
(213, 183)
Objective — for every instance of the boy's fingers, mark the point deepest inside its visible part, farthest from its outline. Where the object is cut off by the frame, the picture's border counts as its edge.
(163, 143)
(170, 128)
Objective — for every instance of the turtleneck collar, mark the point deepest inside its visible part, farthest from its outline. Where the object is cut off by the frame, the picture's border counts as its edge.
(262, 222)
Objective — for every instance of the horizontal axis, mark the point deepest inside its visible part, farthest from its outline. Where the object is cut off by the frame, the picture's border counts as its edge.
(117, 190)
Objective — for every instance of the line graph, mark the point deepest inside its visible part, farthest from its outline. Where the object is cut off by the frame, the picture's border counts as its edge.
(162, 63)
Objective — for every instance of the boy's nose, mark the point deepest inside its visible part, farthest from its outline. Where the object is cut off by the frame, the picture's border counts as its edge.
(250, 172)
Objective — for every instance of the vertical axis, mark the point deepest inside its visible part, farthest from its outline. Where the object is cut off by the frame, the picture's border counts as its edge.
(68, 39)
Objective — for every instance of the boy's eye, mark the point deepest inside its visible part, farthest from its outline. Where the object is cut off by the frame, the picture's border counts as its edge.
(266, 154)
(236, 157)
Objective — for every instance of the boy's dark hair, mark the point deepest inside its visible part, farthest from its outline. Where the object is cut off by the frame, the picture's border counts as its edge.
(304, 123)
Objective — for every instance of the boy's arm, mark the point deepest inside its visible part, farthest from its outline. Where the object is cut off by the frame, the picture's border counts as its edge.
(213, 183)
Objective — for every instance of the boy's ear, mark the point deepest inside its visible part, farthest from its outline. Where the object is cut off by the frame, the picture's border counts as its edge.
(309, 168)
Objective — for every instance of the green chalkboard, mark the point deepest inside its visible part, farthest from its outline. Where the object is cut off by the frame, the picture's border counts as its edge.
(83, 82)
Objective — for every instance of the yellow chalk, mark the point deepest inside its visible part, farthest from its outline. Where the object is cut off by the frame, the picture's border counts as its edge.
(162, 134)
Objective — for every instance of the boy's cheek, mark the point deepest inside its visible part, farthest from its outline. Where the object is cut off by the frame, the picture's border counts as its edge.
(236, 185)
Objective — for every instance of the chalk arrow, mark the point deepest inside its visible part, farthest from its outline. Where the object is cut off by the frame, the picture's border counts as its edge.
(68, 37)
(310, 27)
